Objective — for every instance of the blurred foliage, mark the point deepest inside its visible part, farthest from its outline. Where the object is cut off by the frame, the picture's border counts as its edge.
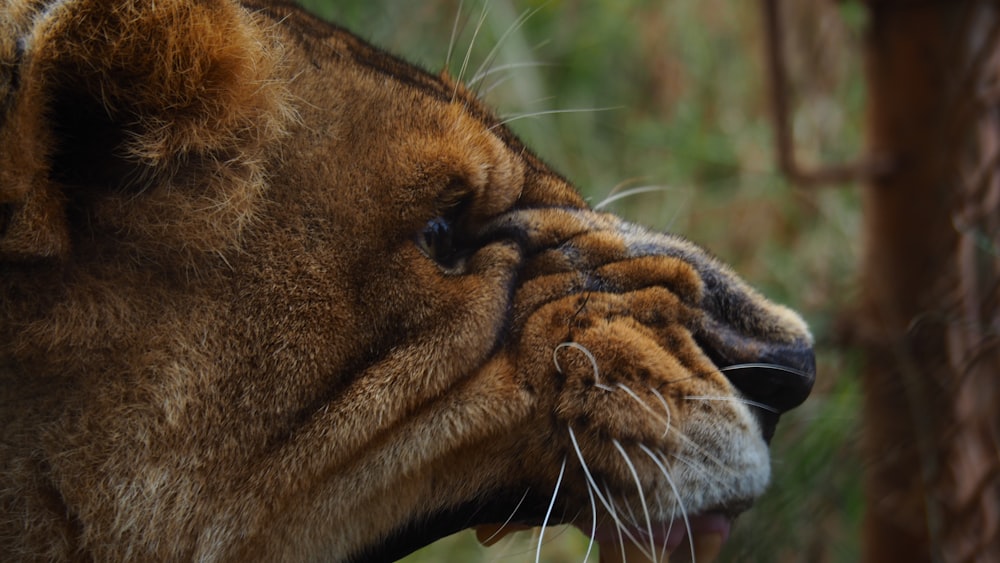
(672, 94)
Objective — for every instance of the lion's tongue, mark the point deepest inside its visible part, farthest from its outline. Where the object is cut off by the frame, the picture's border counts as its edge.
(708, 533)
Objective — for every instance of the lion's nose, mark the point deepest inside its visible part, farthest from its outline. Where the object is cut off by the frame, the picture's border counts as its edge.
(779, 381)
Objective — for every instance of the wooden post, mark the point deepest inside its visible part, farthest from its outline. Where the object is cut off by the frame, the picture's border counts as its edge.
(929, 318)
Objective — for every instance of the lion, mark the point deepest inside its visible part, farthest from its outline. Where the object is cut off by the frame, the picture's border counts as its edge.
(270, 293)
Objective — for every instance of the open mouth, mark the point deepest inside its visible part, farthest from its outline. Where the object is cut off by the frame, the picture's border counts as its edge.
(697, 538)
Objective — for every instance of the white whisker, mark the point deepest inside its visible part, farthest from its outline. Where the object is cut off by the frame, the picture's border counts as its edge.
(509, 518)
(503, 67)
(698, 448)
(590, 481)
(732, 399)
(628, 193)
(686, 441)
(518, 23)
(665, 525)
(643, 404)
(664, 556)
(619, 528)
(495, 85)
(760, 365)
(697, 468)
(626, 510)
(666, 407)
(552, 111)
(593, 524)
(548, 513)
(454, 35)
(677, 495)
(642, 496)
(468, 52)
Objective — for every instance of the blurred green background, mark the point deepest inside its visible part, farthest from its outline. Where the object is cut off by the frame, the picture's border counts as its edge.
(672, 94)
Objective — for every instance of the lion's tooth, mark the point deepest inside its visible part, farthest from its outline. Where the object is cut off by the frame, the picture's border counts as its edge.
(489, 534)
(707, 547)
(629, 553)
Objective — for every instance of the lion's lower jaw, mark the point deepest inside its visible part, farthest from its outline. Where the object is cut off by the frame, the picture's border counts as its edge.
(687, 509)
(689, 513)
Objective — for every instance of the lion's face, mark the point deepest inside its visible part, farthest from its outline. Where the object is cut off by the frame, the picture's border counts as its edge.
(271, 293)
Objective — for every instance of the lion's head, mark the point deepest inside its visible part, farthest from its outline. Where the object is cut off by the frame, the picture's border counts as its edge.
(270, 293)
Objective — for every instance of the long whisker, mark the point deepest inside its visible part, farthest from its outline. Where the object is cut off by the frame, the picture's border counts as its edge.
(698, 448)
(684, 439)
(548, 513)
(552, 111)
(628, 193)
(677, 495)
(518, 23)
(509, 518)
(643, 404)
(666, 408)
(468, 52)
(626, 509)
(620, 529)
(593, 524)
(758, 365)
(642, 496)
(696, 467)
(590, 481)
(486, 91)
(688, 442)
(503, 67)
(454, 34)
(664, 556)
(733, 400)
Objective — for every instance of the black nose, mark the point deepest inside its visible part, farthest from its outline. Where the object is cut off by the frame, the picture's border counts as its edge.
(779, 381)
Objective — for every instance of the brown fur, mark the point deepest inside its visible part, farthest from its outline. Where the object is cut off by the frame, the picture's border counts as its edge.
(224, 335)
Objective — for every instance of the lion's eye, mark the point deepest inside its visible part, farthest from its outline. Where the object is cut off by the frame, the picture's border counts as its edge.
(437, 241)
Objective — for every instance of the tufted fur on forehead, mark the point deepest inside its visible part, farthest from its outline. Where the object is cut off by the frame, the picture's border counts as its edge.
(177, 101)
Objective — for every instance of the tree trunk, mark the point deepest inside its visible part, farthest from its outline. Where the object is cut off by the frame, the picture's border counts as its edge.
(930, 274)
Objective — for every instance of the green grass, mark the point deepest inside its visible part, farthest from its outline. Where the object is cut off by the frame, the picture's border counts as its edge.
(675, 97)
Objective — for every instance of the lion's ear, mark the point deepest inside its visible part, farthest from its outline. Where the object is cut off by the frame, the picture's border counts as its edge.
(138, 115)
